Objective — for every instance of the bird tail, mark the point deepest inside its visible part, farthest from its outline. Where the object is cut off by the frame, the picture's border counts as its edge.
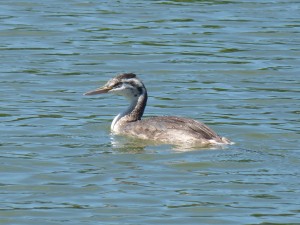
(226, 141)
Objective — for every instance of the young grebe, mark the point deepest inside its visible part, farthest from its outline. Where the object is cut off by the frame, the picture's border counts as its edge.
(165, 129)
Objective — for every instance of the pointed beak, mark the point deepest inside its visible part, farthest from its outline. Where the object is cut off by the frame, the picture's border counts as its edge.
(101, 90)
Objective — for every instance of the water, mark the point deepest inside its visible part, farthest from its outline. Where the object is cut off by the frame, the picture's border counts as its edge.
(232, 64)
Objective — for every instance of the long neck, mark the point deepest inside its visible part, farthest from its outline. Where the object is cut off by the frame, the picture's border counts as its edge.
(135, 110)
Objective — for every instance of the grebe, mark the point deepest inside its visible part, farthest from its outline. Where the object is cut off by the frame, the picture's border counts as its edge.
(166, 129)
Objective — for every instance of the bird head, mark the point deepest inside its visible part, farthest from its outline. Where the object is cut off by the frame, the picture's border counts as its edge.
(126, 84)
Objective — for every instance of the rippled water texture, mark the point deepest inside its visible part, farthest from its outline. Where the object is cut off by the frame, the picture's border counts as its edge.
(231, 64)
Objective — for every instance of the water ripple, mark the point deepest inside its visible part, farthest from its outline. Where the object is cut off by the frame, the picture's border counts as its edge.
(232, 65)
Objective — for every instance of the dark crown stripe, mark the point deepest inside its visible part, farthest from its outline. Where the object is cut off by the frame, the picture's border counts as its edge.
(126, 76)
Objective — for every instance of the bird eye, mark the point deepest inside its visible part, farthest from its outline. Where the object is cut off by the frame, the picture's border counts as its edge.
(117, 85)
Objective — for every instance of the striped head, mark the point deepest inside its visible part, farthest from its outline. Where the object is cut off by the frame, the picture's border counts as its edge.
(126, 84)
